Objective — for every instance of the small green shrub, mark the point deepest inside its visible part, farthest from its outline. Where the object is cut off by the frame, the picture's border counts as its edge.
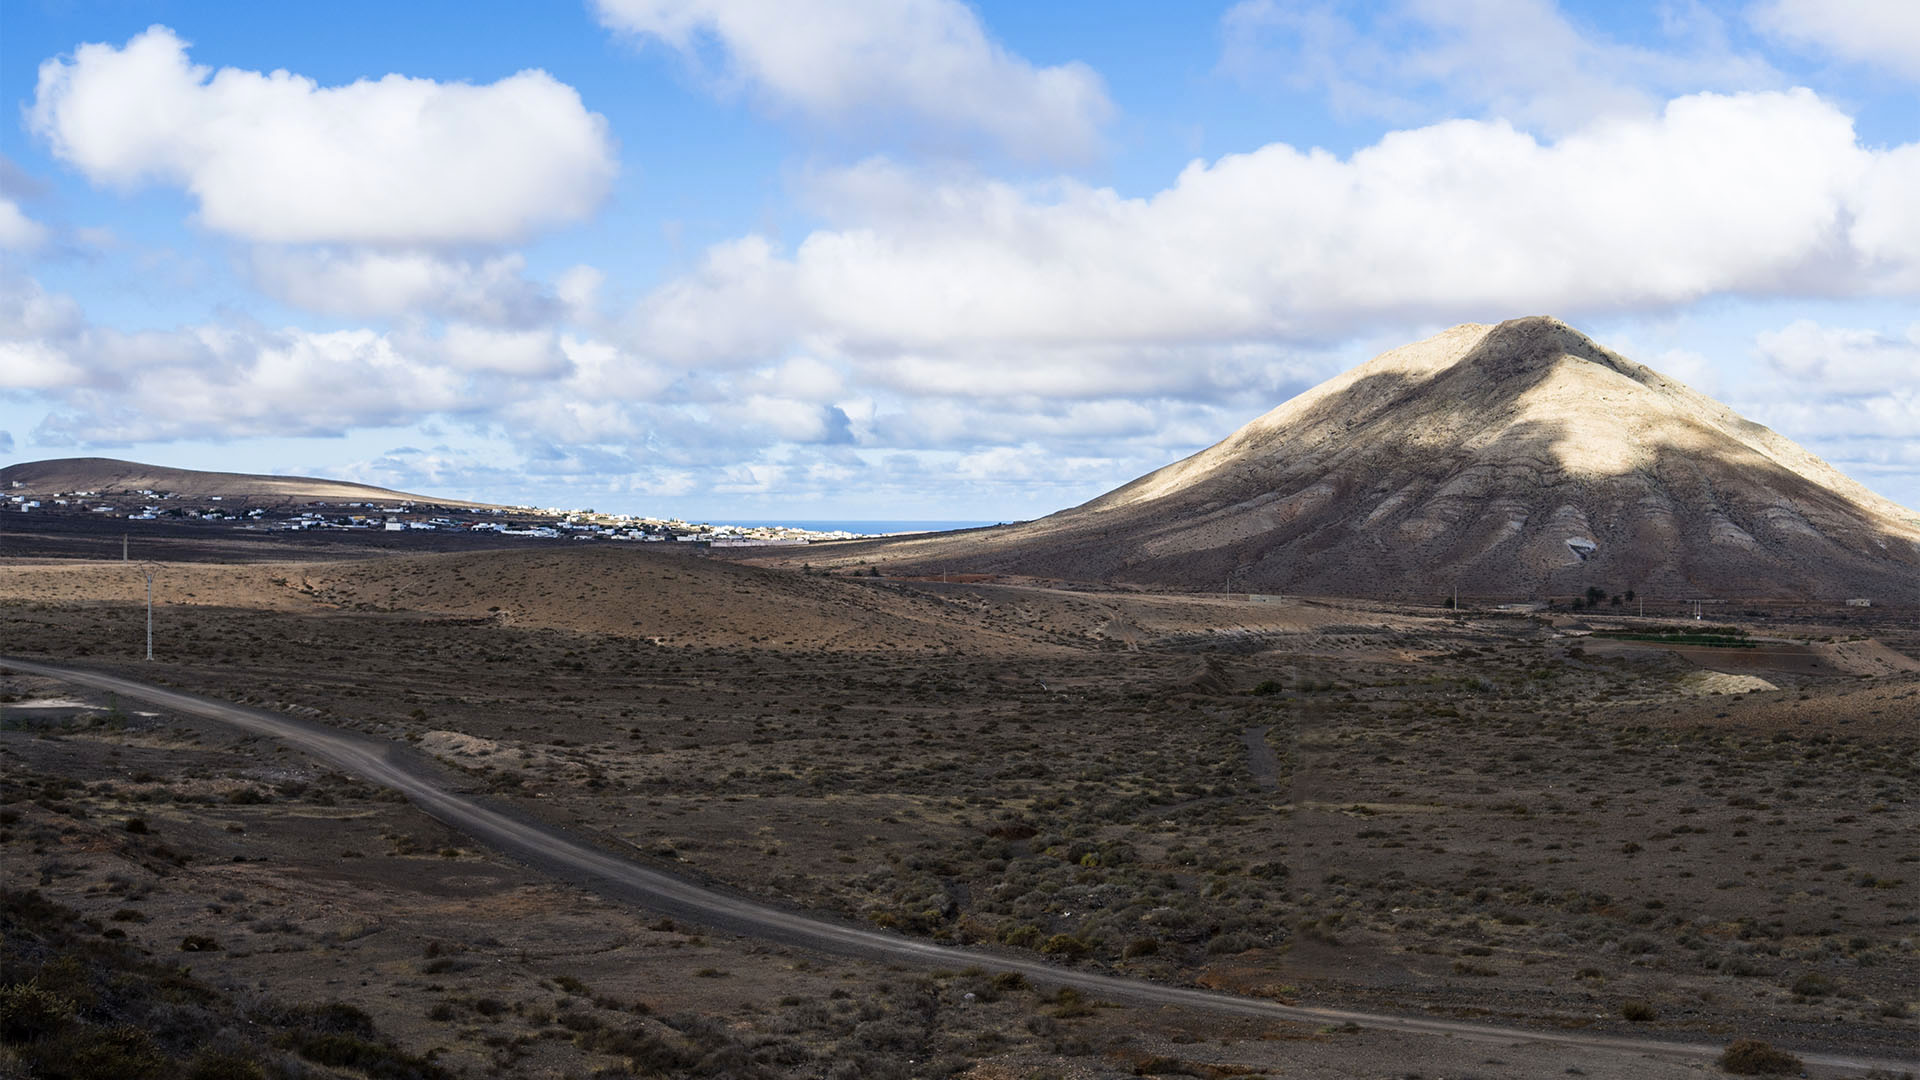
(1066, 945)
(1751, 1057)
(1231, 944)
(29, 1012)
(1813, 985)
(122, 1052)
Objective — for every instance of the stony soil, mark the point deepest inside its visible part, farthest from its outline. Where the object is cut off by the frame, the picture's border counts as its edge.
(1480, 815)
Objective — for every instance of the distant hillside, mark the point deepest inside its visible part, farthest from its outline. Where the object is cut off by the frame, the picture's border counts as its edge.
(111, 476)
(1511, 461)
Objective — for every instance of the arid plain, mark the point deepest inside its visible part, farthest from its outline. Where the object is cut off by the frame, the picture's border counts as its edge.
(1489, 816)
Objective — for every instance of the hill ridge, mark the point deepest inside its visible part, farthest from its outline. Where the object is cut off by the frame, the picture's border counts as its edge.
(116, 475)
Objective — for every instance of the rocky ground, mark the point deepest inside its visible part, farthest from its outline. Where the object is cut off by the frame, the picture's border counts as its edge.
(1487, 816)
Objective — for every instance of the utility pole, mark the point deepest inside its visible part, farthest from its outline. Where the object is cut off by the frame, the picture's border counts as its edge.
(149, 614)
(123, 547)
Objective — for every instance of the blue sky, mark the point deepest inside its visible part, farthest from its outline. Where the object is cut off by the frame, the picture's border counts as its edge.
(919, 258)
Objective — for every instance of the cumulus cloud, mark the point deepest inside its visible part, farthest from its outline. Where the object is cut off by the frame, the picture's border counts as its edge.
(213, 380)
(18, 232)
(35, 365)
(533, 354)
(1886, 226)
(280, 159)
(1717, 194)
(29, 312)
(238, 379)
(925, 61)
(365, 283)
(1829, 361)
(578, 289)
(1882, 33)
(1851, 395)
(785, 419)
(1519, 60)
(223, 383)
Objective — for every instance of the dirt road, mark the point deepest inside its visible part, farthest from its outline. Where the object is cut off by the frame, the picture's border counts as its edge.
(1261, 760)
(577, 859)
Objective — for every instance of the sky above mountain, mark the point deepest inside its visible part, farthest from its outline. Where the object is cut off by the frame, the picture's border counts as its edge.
(754, 259)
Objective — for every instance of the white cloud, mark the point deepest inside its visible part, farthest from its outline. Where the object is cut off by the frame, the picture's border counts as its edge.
(570, 419)
(1822, 362)
(18, 232)
(1690, 367)
(1890, 418)
(1886, 227)
(1519, 60)
(578, 289)
(1883, 33)
(218, 382)
(531, 354)
(600, 371)
(929, 61)
(279, 159)
(785, 419)
(35, 365)
(1850, 395)
(215, 380)
(803, 378)
(1466, 220)
(383, 284)
(29, 312)
(741, 303)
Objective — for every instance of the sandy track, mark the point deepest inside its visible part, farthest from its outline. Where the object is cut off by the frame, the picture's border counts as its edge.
(576, 859)
(1261, 760)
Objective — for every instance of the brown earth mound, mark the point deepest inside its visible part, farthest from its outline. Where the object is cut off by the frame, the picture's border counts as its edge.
(111, 476)
(669, 597)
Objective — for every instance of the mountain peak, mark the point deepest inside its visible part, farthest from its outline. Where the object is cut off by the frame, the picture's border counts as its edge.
(1537, 339)
(1518, 459)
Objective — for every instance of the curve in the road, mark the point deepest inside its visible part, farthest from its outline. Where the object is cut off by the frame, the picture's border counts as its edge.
(560, 853)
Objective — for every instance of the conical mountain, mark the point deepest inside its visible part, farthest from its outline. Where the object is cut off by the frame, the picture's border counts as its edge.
(1513, 461)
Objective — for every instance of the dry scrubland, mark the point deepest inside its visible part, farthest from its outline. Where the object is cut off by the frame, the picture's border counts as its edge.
(1486, 816)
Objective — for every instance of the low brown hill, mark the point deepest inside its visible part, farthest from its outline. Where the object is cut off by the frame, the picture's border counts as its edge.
(111, 476)
(1518, 460)
(673, 598)
(668, 597)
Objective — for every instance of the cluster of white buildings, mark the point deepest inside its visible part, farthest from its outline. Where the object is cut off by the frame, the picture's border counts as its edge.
(563, 524)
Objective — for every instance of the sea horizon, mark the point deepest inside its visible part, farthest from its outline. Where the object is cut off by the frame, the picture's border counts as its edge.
(869, 526)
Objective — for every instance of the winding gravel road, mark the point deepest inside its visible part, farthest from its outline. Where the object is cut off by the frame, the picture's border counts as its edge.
(573, 858)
